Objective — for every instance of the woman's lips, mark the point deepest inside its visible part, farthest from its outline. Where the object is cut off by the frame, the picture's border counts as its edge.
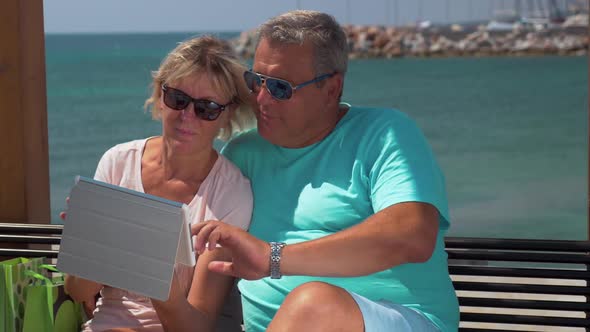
(185, 132)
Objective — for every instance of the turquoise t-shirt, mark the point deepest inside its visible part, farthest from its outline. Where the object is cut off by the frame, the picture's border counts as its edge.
(374, 158)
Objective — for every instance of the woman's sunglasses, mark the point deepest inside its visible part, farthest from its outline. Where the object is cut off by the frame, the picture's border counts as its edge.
(204, 109)
(276, 87)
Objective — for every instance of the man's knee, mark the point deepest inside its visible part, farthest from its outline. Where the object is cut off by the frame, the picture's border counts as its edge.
(318, 306)
(318, 298)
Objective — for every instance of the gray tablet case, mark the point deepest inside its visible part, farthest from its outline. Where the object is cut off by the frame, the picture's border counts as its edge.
(124, 238)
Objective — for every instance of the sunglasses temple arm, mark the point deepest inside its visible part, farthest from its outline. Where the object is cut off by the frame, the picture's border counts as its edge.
(317, 79)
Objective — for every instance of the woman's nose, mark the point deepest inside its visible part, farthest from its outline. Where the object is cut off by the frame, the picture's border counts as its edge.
(188, 112)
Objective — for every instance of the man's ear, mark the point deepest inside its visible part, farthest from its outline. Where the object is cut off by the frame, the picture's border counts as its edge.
(335, 87)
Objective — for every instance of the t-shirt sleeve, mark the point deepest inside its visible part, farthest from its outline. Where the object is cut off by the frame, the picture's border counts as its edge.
(241, 199)
(105, 166)
(229, 152)
(236, 151)
(405, 169)
(233, 200)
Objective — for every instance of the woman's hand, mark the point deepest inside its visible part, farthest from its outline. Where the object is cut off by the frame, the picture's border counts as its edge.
(63, 214)
(250, 256)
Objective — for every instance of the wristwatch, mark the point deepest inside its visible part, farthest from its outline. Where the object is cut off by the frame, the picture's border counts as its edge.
(275, 259)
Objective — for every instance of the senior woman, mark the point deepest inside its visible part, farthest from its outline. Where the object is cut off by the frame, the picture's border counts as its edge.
(198, 95)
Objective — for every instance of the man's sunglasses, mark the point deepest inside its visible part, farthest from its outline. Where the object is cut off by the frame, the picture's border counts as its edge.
(204, 109)
(276, 87)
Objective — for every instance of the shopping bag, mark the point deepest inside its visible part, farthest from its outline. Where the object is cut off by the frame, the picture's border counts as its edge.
(48, 308)
(13, 280)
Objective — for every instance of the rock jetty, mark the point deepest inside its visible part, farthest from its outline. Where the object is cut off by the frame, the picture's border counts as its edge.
(452, 40)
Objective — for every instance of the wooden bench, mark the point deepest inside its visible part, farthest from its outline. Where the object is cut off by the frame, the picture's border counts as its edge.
(29, 240)
(502, 284)
(542, 284)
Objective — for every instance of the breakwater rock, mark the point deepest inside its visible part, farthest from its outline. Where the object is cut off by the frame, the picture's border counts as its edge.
(447, 41)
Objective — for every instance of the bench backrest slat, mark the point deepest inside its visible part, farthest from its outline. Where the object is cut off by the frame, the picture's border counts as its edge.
(520, 288)
(52, 239)
(524, 304)
(28, 253)
(524, 319)
(520, 256)
(493, 271)
(517, 244)
(10, 228)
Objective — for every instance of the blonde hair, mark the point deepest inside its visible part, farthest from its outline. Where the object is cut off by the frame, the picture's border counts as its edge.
(215, 58)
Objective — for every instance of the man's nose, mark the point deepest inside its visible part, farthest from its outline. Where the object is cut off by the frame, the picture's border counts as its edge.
(263, 97)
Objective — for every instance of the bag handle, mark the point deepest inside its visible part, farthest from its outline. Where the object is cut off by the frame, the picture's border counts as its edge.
(49, 267)
(42, 280)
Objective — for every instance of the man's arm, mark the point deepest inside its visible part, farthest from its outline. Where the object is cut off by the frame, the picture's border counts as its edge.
(401, 233)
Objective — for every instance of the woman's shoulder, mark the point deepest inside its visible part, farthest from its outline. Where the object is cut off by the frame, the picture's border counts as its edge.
(229, 172)
(135, 145)
(119, 159)
(230, 198)
(125, 150)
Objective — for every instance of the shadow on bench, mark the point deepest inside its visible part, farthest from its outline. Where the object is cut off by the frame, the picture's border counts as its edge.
(502, 284)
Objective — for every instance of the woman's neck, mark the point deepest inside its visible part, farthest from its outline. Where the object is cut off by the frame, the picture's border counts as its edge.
(187, 166)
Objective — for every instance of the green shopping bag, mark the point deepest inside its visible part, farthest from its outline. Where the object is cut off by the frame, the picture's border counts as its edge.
(13, 280)
(48, 308)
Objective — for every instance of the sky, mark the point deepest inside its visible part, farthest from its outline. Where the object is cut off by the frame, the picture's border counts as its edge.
(75, 16)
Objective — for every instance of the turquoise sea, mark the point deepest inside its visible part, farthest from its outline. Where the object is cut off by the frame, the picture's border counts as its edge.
(509, 133)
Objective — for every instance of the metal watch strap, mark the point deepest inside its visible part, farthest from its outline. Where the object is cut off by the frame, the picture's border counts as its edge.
(275, 259)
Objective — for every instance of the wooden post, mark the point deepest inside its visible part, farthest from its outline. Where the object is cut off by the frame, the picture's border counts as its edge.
(24, 157)
(588, 164)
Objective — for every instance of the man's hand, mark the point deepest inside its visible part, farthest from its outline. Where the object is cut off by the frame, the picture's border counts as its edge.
(250, 256)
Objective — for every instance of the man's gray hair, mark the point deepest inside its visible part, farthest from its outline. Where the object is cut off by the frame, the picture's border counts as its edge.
(320, 29)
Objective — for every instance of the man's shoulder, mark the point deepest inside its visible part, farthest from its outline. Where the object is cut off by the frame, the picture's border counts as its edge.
(230, 173)
(248, 139)
(376, 119)
(377, 113)
(243, 147)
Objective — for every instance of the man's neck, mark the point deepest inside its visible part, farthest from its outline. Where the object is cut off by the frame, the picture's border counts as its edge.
(319, 133)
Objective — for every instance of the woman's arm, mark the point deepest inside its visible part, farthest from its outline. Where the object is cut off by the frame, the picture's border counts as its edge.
(201, 307)
(83, 291)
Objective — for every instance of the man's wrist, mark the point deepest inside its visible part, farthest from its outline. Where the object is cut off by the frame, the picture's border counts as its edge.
(276, 249)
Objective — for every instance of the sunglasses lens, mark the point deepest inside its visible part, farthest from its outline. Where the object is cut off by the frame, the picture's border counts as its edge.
(208, 110)
(176, 99)
(278, 88)
(253, 81)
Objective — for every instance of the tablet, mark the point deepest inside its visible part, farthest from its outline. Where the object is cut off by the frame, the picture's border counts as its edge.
(124, 238)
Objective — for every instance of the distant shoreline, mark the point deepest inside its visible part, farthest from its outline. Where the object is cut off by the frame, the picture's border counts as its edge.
(375, 41)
